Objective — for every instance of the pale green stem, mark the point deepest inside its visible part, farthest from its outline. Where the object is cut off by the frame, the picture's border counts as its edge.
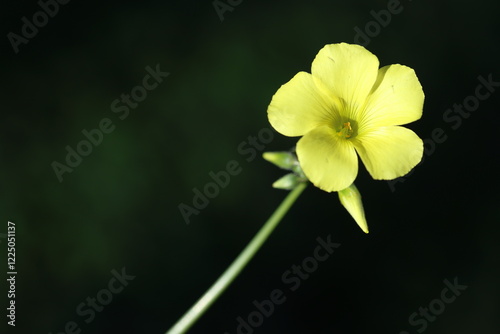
(204, 303)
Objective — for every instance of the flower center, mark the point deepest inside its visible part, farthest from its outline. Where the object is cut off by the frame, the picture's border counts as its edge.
(346, 131)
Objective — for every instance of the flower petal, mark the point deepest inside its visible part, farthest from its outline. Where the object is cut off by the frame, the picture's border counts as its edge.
(298, 107)
(389, 152)
(397, 98)
(348, 71)
(328, 161)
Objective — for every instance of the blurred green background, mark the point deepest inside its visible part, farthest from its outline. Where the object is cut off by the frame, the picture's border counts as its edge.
(119, 207)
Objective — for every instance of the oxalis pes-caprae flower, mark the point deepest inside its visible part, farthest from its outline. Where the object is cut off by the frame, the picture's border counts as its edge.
(348, 106)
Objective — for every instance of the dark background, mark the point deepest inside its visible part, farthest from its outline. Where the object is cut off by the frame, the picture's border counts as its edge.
(119, 207)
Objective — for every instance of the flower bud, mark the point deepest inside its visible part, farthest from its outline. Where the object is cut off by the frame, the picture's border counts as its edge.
(351, 200)
(288, 182)
(285, 160)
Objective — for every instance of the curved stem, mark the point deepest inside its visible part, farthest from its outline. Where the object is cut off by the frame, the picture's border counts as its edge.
(204, 303)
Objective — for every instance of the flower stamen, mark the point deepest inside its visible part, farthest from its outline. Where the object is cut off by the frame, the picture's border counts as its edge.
(346, 130)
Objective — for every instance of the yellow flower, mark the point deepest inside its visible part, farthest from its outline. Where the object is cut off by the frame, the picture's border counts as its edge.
(349, 105)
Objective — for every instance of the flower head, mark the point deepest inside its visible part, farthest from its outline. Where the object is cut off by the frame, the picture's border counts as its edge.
(347, 105)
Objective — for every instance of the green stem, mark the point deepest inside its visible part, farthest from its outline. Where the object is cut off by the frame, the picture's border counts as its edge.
(204, 303)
